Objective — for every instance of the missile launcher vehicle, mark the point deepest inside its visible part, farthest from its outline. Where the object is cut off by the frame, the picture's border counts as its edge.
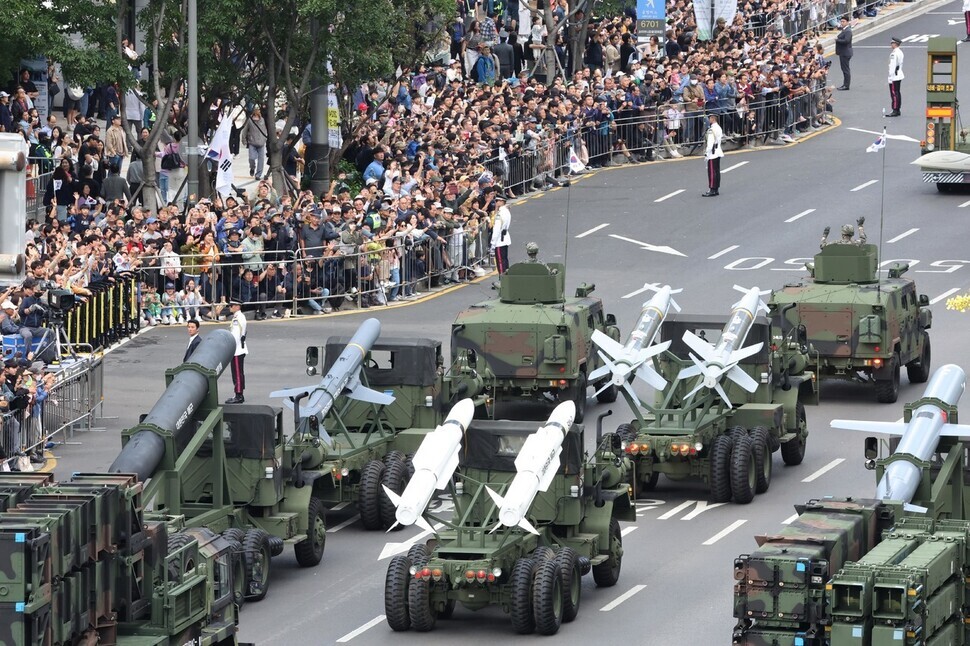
(533, 344)
(862, 327)
(881, 571)
(532, 515)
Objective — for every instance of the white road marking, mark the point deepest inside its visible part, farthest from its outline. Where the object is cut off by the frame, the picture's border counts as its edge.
(965, 204)
(821, 472)
(730, 168)
(347, 523)
(874, 132)
(670, 195)
(676, 510)
(393, 549)
(800, 215)
(360, 631)
(946, 294)
(902, 235)
(724, 532)
(862, 186)
(638, 291)
(723, 251)
(702, 506)
(649, 247)
(339, 506)
(791, 519)
(623, 597)
(593, 230)
(628, 530)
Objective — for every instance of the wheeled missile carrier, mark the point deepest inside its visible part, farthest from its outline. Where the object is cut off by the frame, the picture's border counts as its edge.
(531, 348)
(892, 569)
(862, 327)
(532, 515)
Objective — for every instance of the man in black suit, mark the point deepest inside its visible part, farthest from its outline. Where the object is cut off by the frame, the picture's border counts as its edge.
(194, 339)
(843, 48)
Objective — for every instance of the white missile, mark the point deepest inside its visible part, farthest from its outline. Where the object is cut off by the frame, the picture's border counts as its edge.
(920, 437)
(723, 358)
(619, 361)
(535, 467)
(434, 463)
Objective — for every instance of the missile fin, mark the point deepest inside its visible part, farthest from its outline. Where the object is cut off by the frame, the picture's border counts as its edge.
(720, 391)
(365, 394)
(628, 387)
(391, 528)
(746, 352)
(425, 525)
(692, 371)
(600, 372)
(393, 497)
(607, 344)
(654, 350)
(699, 385)
(292, 392)
(527, 526)
(606, 385)
(885, 428)
(699, 345)
(743, 379)
(497, 499)
(647, 374)
(916, 509)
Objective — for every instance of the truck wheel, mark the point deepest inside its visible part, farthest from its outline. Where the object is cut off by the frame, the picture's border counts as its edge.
(422, 614)
(369, 494)
(579, 396)
(762, 458)
(572, 582)
(743, 474)
(607, 573)
(736, 432)
(256, 550)
(396, 593)
(523, 620)
(887, 390)
(235, 537)
(395, 478)
(793, 451)
(626, 432)
(418, 554)
(390, 456)
(547, 597)
(650, 483)
(309, 552)
(721, 468)
(919, 371)
(607, 395)
(543, 553)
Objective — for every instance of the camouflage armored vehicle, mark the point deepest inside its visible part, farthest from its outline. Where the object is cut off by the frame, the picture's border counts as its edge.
(862, 326)
(531, 565)
(532, 345)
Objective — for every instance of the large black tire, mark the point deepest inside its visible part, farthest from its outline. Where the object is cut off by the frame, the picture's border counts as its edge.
(572, 582)
(543, 553)
(177, 542)
(396, 583)
(721, 468)
(395, 478)
(919, 371)
(309, 552)
(418, 554)
(607, 573)
(793, 451)
(737, 431)
(626, 432)
(743, 473)
(423, 616)
(887, 390)
(391, 456)
(523, 620)
(369, 495)
(235, 537)
(761, 439)
(257, 554)
(607, 395)
(547, 595)
(579, 396)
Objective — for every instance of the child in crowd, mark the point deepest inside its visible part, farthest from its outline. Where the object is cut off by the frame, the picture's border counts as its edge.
(151, 305)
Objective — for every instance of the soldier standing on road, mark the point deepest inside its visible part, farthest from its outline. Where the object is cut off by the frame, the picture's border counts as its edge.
(895, 75)
(843, 49)
(500, 233)
(237, 326)
(713, 153)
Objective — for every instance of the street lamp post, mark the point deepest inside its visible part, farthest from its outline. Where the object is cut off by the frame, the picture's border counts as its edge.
(193, 102)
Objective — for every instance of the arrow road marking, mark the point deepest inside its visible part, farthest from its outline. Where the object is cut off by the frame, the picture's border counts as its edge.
(730, 168)
(347, 523)
(634, 293)
(862, 186)
(800, 215)
(946, 294)
(649, 247)
(724, 532)
(896, 137)
(593, 230)
(623, 597)
(393, 549)
(901, 236)
(670, 195)
(965, 204)
(627, 530)
(676, 510)
(723, 251)
(821, 472)
(357, 633)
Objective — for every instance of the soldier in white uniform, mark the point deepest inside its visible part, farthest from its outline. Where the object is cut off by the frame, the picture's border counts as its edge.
(895, 76)
(500, 233)
(713, 153)
(237, 326)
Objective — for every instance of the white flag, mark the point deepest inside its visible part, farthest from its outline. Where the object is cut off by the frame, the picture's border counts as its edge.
(219, 153)
(575, 163)
(878, 144)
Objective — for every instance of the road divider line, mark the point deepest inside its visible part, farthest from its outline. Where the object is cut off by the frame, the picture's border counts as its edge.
(730, 168)
(965, 204)
(902, 235)
(791, 519)
(862, 186)
(670, 195)
(821, 472)
(676, 510)
(360, 631)
(628, 530)
(724, 532)
(723, 251)
(948, 293)
(623, 597)
(593, 230)
(800, 215)
(347, 523)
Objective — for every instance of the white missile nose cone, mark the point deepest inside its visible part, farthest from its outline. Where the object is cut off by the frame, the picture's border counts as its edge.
(463, 412)
(564, 413)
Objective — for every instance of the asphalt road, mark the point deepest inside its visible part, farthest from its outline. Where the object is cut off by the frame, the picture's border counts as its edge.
(618, 229)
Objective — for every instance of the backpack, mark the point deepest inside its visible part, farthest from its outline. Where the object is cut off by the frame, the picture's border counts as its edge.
(172, 160)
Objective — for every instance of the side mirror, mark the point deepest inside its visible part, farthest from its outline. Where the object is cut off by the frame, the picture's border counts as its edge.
(872, 448)
(611, 319)
(312, 359)
(924, 300)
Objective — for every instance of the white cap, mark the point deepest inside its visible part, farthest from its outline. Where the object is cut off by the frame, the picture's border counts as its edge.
(7, 305)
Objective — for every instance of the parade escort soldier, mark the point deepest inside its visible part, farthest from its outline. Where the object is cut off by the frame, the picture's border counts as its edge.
(713, 153)
(500, 233)
(896, 76)
(847, 234)
(237, 326)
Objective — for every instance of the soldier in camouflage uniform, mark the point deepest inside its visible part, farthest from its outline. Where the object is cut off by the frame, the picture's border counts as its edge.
(847, 234)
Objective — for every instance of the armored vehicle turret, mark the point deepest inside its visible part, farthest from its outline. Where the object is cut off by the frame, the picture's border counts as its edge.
(862, 326)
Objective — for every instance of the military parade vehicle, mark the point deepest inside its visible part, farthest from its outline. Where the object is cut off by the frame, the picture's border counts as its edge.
(862, 327)
(721, 408)
(532, 515)
(532, 345)
(880, 571)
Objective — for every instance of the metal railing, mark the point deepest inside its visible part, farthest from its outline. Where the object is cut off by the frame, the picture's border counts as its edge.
(811, 17)
(37, 182)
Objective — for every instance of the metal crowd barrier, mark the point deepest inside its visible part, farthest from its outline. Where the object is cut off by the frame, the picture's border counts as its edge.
(69, 406)
(37, 181)
(109, 315)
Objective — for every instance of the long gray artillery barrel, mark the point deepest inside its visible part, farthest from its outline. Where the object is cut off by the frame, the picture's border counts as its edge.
(174, 409)
(921, 435)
